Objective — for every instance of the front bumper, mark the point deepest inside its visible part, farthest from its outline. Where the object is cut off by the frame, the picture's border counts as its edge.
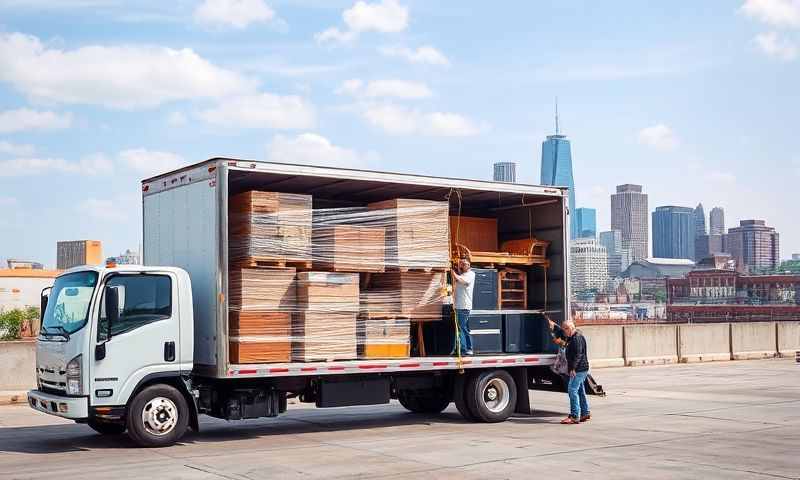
(75, 408)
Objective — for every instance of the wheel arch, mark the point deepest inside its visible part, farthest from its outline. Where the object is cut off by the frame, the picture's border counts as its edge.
(173, 379)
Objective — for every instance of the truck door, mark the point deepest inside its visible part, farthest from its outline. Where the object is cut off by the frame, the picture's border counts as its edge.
(143, 341)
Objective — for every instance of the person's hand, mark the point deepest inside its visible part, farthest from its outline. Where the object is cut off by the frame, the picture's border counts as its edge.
(572, 374)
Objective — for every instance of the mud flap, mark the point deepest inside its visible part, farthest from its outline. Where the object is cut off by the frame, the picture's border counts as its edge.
(520, 376)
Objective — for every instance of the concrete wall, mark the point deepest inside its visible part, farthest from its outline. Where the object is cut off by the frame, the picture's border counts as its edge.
(788, 338)
(650, 344)
(17, 365)
(605, 344)
(704, 342)
(753, 340)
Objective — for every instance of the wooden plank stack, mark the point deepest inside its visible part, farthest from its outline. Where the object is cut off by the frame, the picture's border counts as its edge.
(349, 248)
(324, 327)
(269, 227)
(259, 322)
(416, 233)
(415, 295)
(383, 336)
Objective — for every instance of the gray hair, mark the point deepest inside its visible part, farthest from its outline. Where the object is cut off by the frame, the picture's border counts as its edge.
(568, 323)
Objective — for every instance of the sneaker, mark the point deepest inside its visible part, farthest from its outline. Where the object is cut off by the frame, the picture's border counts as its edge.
(469, 352)
(586, 418)
(570, 421)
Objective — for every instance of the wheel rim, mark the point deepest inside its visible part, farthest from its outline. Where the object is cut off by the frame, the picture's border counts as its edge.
(159, 416)
(496, 395)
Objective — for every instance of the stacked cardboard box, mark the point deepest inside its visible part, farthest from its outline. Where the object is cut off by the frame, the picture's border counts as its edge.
(324, 327)
(349, 248)
(269, 226)
(416, 233)
(261, 303)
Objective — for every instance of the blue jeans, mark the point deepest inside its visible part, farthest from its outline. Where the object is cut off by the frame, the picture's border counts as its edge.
(462, 315)
(578, 405)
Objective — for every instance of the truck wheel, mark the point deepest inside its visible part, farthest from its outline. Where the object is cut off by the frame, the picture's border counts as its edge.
(491, 396)
(433, 401)
(158, 416)
(106, 428)
(459, 392)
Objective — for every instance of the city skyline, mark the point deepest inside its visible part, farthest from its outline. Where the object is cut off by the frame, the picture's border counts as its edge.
(84, 117)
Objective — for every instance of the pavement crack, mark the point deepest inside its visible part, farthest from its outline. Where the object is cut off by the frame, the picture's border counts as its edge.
(210, 471)
(731, 469)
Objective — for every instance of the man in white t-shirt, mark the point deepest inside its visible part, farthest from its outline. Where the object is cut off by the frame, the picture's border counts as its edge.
(464, 284)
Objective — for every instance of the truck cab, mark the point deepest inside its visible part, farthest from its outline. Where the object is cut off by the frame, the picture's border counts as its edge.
(109, 333)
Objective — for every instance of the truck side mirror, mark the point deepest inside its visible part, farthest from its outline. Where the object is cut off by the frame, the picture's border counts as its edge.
(45, 296)
(112, 309)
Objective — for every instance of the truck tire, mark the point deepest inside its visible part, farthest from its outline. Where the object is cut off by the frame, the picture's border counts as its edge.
(157, 416)
(106, 428)
(432, 401)
(459, 398)
(491, 396)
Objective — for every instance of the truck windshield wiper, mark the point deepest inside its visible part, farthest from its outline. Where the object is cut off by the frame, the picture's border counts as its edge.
(60, 331)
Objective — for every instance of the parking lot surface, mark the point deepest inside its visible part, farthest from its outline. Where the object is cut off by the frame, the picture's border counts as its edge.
(726, 420)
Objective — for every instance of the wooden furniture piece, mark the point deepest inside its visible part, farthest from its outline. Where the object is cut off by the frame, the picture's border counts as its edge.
(270, 228)
(475, 233)
(416, 233)
(349, 248)
(512, 289)
(528, 252)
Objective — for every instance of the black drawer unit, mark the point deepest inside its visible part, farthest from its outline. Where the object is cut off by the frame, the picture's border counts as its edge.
(526, 333)
(484, 293)
(486, 331)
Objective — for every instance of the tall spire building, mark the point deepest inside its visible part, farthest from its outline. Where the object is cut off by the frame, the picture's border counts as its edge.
(556, 169)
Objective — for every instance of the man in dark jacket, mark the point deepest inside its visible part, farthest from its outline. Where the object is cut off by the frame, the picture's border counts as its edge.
(578, 366)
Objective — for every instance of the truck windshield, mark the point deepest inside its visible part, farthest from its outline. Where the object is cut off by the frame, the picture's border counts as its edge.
(68, 305)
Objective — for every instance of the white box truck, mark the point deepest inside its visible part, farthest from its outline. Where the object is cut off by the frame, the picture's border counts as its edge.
(155, 369)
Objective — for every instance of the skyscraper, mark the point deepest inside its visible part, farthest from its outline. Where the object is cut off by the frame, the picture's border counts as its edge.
(78, 252)
(716, 221)
(505, 172)
(588, 265)
(754, 246)
(673, 232)
(585, 223)
(629, 216)
(699, 220)
(556, 169)
(619, 257)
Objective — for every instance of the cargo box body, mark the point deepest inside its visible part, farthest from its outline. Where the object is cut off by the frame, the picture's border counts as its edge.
(187, 223)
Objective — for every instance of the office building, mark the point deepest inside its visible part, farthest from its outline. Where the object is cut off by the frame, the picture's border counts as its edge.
(673, 232)
(708, 245)
(505, 172)
(754, 246)
(585, 222)
(629, 216)
(796, 256)
(699, 220)
(588, 265)
(619, 257)
(127, 258)
(716, 221)
(556, 169)
(78, 252)
(23, 264)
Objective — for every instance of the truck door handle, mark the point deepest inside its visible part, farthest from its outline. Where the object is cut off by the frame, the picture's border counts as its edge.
(169, 351)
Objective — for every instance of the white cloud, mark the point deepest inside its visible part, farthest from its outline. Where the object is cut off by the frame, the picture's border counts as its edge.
(776, 47)
(778, 13)
(125, 76)
(176, 119)
(103, 210)
(397, 120)
(16, 149)
(386, 16)
(233, 13)
(262, 111)
(151, 162)
(424, 54)
(385, 89)
(660, 137)
(29, 166)
(23, 119)
(313, 149)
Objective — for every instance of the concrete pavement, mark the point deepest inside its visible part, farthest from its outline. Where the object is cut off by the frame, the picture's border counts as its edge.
(727, 420)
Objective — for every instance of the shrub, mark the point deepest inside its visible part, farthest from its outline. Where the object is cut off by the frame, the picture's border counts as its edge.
(11, 324)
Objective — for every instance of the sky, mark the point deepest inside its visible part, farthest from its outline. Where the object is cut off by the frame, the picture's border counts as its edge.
(696, 101)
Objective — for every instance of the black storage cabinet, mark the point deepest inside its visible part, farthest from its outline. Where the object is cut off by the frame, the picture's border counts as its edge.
(484, 293)
(526, 333)
(486, 330)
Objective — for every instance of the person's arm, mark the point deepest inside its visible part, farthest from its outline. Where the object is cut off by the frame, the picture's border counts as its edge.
(555, 328)
(458, 278)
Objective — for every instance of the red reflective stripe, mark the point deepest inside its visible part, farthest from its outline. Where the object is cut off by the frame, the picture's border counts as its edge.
(372, 366)
(278, 370)
(488, 361)
(510, 360)
(247, 372)
(410, 365)
(335, 368)
(531, 359)
(440, 364)
(308, 369)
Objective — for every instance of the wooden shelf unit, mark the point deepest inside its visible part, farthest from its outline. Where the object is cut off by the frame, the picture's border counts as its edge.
(512, 286)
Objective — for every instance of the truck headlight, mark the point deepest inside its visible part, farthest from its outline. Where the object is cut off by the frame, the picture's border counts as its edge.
(74, 377)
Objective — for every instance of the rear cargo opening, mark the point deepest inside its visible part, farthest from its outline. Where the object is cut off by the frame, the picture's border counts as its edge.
(515, 216)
